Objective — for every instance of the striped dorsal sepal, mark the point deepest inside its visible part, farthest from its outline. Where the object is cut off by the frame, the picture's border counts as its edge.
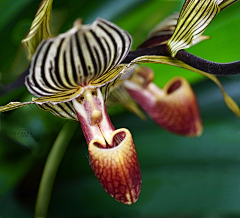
(86, 54)
(40, 28)
(195, 16)
(108, 77)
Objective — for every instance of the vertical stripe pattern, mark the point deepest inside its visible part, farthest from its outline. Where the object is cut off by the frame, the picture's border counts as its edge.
(62, 110)
(40, 28)
(195, 16)
(86, 54)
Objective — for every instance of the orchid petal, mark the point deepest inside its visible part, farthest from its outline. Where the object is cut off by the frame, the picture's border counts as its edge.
(226, 3)
(122, 74)
(40, 28)
(14, 105)
(117, 168)
(108, 77)
(164, 31)
(81, 56)
(195, 16)
(175, 62)
(62, 110)
(161, 32)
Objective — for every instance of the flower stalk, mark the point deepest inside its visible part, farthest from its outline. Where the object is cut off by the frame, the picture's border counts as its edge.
(51, 167)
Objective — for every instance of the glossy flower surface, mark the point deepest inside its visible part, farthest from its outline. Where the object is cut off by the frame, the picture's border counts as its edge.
(66, 73)
(71, 75)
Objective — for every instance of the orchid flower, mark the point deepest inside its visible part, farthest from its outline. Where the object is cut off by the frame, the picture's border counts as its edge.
(168, 47)
(175, 106)
(71, 75)
(67, 73)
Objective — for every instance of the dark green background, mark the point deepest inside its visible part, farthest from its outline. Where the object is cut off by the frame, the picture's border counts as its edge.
(197, 177)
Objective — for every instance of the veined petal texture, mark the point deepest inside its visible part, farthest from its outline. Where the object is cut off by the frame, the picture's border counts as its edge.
(82, 55)
(40, 28)
(117, 168)
(195, 16)
(62, 110)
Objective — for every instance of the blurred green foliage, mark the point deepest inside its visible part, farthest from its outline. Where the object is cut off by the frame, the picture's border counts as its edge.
(181, 176)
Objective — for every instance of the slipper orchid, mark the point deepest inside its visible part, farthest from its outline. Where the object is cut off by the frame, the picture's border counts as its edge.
(68, 73)
(71, 75)
(174, 107)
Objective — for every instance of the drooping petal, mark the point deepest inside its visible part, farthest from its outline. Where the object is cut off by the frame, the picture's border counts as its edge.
(40, 28)
(164, 31)
(14, 105)
(226, 3)
(117, 168)
(81, 56)
(195, 16)
(175, 62)
(49, 103)
(62, 110)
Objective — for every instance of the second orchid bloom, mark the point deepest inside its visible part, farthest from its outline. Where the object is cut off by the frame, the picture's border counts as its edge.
(73, 73)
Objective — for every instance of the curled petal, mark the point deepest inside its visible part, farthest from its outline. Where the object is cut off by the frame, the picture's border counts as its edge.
(174, 108)
(164, 31)
(51, 103)
(13, 105)
(40, 28)
(194, 18)
(226, 3)
(117, 168)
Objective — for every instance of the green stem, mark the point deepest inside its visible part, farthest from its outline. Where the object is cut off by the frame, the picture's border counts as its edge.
(51, 167)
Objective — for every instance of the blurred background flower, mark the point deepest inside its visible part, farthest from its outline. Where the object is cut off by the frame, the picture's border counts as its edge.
(181, 176)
